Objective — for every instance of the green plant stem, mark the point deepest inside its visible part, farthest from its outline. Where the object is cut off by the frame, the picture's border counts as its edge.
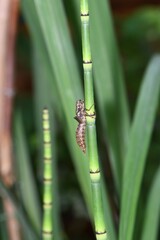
(100, 229)
(47, 193)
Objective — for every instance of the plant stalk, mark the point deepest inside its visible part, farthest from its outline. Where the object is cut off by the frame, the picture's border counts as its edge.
(47, 231)
(100, 229)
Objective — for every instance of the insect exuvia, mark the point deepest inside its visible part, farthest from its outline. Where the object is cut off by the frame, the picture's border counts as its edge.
(81, 118)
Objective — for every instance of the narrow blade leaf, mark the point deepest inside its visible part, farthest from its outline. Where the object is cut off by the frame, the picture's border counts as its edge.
(151, 219)
(138, 146)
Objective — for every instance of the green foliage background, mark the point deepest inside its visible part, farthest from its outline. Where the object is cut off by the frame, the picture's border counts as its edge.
(124, 141)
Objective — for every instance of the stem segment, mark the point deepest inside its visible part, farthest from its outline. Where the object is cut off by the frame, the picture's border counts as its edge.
(47, 193)
(100, 229)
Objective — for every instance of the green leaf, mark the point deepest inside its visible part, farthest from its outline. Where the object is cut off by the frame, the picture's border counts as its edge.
(50, 35)
(25, 175)
(28, 230)
(151, 218)
(3, 227)
(138, 146)
(43, 98)
(109, 82)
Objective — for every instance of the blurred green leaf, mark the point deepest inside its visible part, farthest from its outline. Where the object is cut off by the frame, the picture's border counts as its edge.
(151, 218)
(3, 218)
(43, 93)
(28, 230)
(109, 85)
(108, 81)
(50, 34)
(138, 146)
(25, 175)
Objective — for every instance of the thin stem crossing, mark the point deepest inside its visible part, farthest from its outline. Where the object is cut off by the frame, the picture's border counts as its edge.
(47, 177)
(100, 229)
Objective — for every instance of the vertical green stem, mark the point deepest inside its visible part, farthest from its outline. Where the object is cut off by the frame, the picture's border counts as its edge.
(47, 193)
(100, 229)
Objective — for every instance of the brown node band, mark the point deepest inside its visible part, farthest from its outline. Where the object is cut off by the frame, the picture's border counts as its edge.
(47, 160)
(94, 172)
(47, 180)
(48, 204)
(47, 232)
(87, 62)
(100, 233)
(84, 14)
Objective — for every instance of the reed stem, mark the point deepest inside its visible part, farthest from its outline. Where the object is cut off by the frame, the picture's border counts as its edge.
(47, 175)
(92, 152)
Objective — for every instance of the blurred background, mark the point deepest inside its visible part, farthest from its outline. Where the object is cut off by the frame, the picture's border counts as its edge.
(137, 29)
